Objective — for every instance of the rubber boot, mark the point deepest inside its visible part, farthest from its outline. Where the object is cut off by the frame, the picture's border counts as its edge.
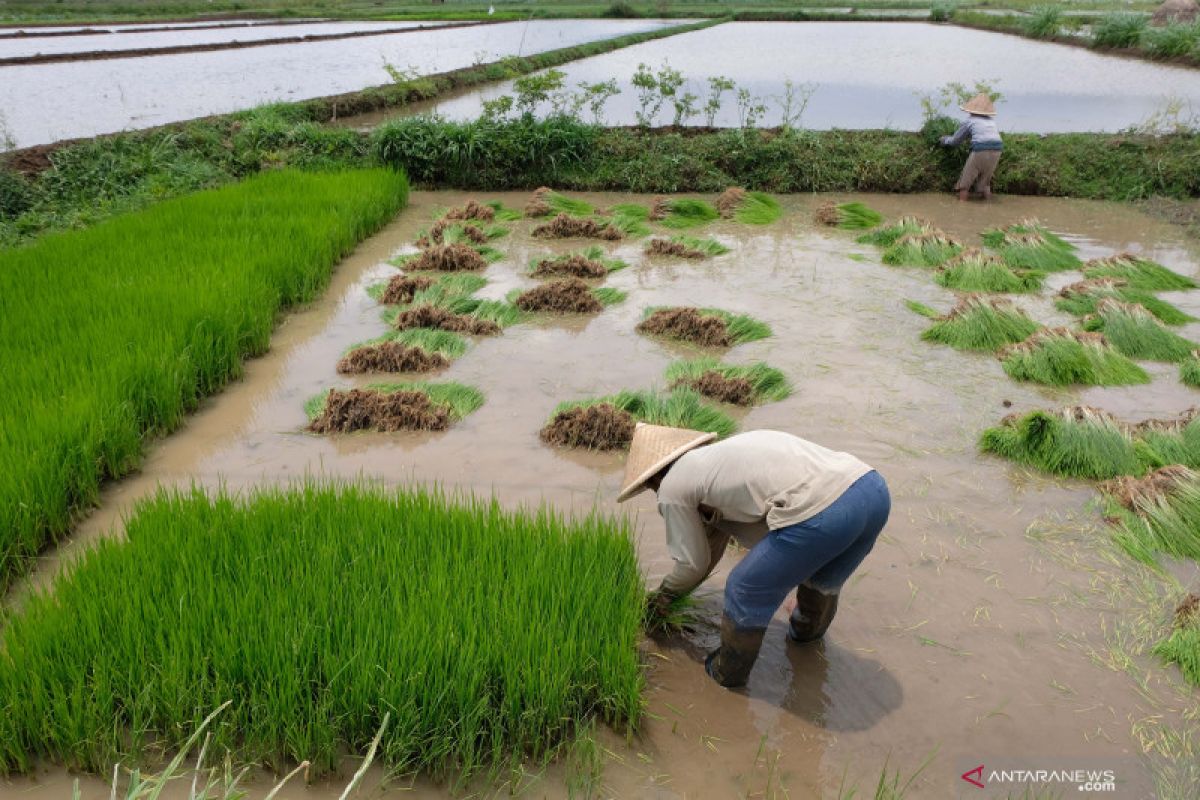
(730, 664)
(813, 613)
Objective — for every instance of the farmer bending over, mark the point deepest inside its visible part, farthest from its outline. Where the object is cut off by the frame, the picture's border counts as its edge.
(986, 146)
(810, 515)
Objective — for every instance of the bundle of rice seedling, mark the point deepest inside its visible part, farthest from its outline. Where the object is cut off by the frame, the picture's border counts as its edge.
(978, 323)
(1182, 647)
(392, 407)
(496, 312)
(565, 226)
(685, 247)
(546, 201)
(439, 317)
(926, 249)
(848, 216)
(729, 201)
(1138, 273)
(709, 327)
(682, 212)
(401, 289)
(1189, 369)
(589, 263)
(1163, 522)
(600, 426)
(1030, 245)
(471, 210)
(1135, 332)
(748, 208)
(730, 383)
(889, 235)
(502, 212)
(975, 271)
(1061, 357)
(680, 408)
(566, 296)
(1082, 297)
(443, 258)
(1162, 442)
(413, 350)
(1132, 492)
(1076, 442)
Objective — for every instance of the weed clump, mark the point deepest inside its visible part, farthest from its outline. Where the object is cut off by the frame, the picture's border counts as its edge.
(1134, 331)
(1082, 298)
(565, 226)
(591, 263)
(435, 317)
(1075, 442)
(390, 356)
(685, 247)
(471, 210)
(1061, 357)
(401, 289)
(979, 323)
(730, 383)
(1030, 245)
(569, 296)
(976, 271)
(448, 258)
(602, 426)
(1137, 273)
(925, 249)
(848, 216)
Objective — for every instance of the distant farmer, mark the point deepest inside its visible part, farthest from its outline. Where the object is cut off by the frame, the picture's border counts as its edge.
(986, 145)
(809, 516)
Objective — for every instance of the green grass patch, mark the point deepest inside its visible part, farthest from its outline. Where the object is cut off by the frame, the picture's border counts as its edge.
(979, 323)
(682, 212)
(1083, 297)
(459, 399)
(976, 271)
(928, 249)
(1030, 245)
(163, 305)
(1138, 273)
(767, 384)
(318, 610)
(758, 208)
(1062, 357)
(1135, 332)
(679, 408)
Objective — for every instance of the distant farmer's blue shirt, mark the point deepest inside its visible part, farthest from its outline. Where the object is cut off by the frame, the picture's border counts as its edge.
(982, 132)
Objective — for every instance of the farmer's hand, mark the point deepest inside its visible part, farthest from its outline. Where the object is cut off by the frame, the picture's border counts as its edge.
(658, 608)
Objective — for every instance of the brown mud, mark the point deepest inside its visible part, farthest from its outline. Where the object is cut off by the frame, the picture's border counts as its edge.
(438, 318)
(447, 258)
(574, 265)
(569, 296)
(666, 247)
(352, 410)
(737, 391)
(729, 201)
(564, 226)
(390, 357)
(598, 427)
(687, 325)
(401, 289)
(990, 621)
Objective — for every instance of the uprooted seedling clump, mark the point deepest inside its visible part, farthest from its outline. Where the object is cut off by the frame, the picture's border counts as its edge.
(351, 410)
(438, 318)
(602, 426)
(687, 324)
(671, 247)
(564, 226)
(390, 357)
(471, 210)
(738, 391)
(448, 258)
(537, 205)
(729, 201)
(437, 233)
(1187, 613)
(1134, 493)
(401, 289)
(573, 265)
(565, 296)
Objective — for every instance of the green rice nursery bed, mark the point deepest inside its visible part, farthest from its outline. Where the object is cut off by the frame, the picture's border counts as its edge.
(489, 637)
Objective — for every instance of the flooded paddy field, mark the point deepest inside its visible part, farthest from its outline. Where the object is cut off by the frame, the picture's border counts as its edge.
(987, 624)
(869, 75)
(48, 102)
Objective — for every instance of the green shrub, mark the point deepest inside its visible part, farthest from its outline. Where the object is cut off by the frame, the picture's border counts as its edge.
(942, 11)
(1119, 29)
(1043, 22)
(1172, 41)
(16, 196)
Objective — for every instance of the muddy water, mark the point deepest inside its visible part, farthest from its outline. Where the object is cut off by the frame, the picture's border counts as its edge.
(952, 639)
(868, 75)
(47, 102)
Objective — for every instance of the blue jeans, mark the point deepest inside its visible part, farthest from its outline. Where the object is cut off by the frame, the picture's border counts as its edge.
(820, 552)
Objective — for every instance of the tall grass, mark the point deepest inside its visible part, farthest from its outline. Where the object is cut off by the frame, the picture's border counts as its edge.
(768, 384)
(679, 408)
(758, 208)
(979, 323)
(485, 635)
(1138, 273)
(1120, 29)
(1030, 245)
(111, 335)
(1061, 357)
(976, 271)
(1135, 332)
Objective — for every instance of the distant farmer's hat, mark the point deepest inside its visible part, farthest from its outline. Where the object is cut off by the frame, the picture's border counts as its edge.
(980, 104)
(653, 448)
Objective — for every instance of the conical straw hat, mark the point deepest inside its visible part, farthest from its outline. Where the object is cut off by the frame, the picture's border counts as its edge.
(655, 447)
(980, 104)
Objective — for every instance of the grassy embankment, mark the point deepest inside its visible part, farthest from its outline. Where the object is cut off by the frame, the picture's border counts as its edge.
(111, 335)
(488, 637)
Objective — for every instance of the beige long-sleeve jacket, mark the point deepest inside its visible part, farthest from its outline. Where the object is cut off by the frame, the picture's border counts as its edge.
(745, 486)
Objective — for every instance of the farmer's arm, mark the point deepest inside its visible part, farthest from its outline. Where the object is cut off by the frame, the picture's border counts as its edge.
(688, 545)
(963, 131)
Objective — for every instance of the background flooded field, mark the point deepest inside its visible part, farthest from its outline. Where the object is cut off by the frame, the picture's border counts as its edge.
(44, 103)
(980, 629)
(868, 75)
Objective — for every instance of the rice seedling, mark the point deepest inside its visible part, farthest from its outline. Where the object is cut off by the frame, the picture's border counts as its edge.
(682, 212)
(686, 247)
(321, 611)
(392, 407)
(1134, 331)
(975, 271)
(417, 289)
(679, 408)
(412, 350)
(749, 208)
(1162, 521)
(590, 263)
(889, 235)
(1062, 357)
(848, 216)
(495, 311)
(455, 257)
(1182, 646)
(978, 323)
(1189, 369)
(471, 210)
(1030, 245)
(740, 384)
(623, 218)
(565, 226)
(503, 213)
(710, 327)
(1137, 273)
(567, 295)
(546, 202)
(175, 297)
(1076, 442)
(927, 249)
(448, 344)
(1082, 297)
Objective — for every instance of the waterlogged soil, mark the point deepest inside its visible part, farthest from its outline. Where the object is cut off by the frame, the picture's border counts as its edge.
(975, 631)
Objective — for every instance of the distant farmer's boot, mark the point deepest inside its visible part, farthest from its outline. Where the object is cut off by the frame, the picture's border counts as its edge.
(812, 615)
(730, 664)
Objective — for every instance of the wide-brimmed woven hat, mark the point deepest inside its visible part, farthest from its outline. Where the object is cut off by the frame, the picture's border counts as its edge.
(655, 447)
(980, 104)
